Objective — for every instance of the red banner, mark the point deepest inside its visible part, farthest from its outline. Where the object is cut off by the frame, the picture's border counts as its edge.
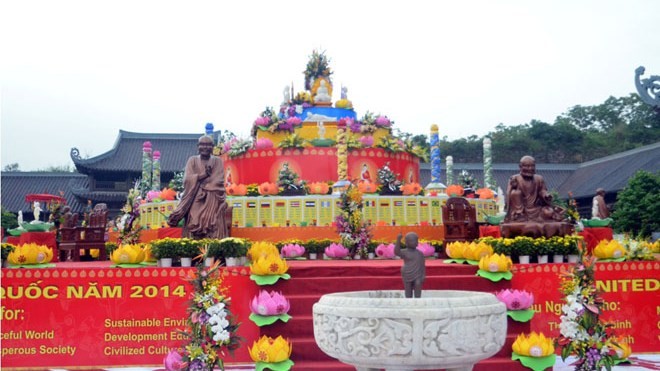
(629, 289)
(100, 317)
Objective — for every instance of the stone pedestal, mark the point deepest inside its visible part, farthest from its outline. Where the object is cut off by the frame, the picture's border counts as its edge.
(383, 329)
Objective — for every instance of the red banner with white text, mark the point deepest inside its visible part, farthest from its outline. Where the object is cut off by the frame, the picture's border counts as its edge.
(100, 317)
(630, 291)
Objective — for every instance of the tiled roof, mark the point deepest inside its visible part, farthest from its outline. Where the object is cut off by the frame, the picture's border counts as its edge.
(611, 172)
(16, 185)
(553, 174)
(126, 154)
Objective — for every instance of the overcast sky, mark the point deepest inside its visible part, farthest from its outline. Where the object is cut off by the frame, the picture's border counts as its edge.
(73, 73)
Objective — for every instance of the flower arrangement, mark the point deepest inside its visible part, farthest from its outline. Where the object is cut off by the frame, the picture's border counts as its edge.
(388, 179)
(534, 351)
(168, 194)
(237, 146)
(270, 121)
(289, 181)
(7, 248)
(467, 180)
(518, 304)
(129, 230)
(391, 144)
(268, 307)
(581, 331)
(640, 250)
(211, 327)
(29, 254)
(353, 232)
(571, 211)
(165, 248)
(336, 251)
(128, 255)
(271, 353)
(317, 66)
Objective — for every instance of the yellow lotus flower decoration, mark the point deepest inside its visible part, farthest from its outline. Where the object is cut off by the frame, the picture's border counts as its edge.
(623, 350)
(455, 250)
(270, 350)
(261, 249)
(476, 251)
(128, 254)
(533, 345)
(269, 265)
(30, 253)
(495, 263)
(609, 250)
(148, 256)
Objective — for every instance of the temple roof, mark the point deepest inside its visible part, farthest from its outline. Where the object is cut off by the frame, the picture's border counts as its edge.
(126, 154)
(611, 173)
(16, 185)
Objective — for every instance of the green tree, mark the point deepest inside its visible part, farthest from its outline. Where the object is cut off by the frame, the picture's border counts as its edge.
(9, 219)
(11, 167)
(637, 208)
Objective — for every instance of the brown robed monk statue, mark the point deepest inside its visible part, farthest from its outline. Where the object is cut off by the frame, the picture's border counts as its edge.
(203, 203)
(529, 207)
(413, 271)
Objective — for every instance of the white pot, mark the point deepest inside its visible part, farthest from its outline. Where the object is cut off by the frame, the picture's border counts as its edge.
(357, 257)
(542, 259)
(186, 262)
(523, 259)
(558, 258)
(573, 258)
(208, 261)
(371, 255)
(165, 262)
(230, 262)
(312, 255)
(242, 260)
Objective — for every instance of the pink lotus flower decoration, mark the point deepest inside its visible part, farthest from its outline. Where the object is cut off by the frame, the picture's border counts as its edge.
(293, 121)
(385, 251)
(336, 251)
(262, 121)
(515, 299)
(382, 121)
(152, 195)
(173, 361)
(269, 304)
(367, 140)
(263, 143)
(227, 146)
(292, 251)
(426, 249)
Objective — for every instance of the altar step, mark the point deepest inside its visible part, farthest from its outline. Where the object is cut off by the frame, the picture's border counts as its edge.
(312, 279)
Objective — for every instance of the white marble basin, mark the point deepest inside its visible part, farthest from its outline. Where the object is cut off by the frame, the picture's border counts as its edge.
(384, 329)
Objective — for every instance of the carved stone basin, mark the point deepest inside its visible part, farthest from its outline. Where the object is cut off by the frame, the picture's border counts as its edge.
(384, 329)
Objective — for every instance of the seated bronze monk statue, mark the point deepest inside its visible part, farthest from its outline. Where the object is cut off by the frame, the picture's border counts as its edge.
(529, 208)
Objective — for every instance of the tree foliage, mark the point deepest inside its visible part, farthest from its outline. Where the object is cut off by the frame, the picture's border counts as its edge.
(9, 219)
(12, 167)
(581, 134)
(637, 208)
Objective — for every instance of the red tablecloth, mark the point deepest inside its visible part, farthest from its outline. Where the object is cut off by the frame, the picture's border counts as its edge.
(170, 232)
(592, 236)
(489, 231)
